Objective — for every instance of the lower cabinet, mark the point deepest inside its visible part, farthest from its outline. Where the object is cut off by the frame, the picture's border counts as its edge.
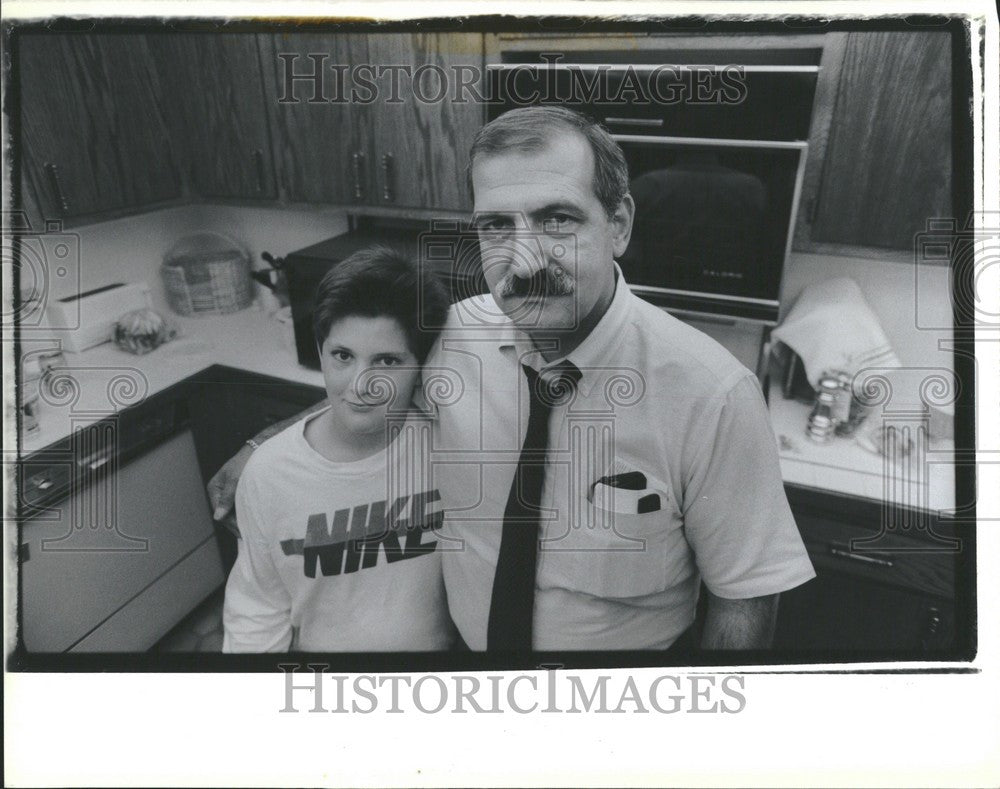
(843, 615)
(889, 583)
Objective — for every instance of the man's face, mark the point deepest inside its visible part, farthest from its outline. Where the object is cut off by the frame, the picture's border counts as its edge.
(547, 243)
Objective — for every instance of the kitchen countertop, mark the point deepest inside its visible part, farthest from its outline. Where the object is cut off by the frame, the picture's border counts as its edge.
(109, 379)
(843, 465)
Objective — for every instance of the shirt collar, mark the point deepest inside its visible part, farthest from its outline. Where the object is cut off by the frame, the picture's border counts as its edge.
(595, 356)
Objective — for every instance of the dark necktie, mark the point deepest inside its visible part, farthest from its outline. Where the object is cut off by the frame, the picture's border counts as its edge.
(512, 605)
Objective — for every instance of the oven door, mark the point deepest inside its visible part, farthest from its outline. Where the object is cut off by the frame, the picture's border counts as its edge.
(712, 221)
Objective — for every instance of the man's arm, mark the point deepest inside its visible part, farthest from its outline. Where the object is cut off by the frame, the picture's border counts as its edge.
(738, 522)
(222, 487)
(740, 624)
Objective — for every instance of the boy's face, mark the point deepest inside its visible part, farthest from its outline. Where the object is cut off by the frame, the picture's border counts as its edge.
(369, 372)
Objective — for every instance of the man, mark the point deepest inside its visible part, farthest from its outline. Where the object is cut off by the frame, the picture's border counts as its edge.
(597, 458)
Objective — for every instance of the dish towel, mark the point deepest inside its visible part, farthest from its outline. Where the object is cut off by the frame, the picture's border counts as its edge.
(831, 327)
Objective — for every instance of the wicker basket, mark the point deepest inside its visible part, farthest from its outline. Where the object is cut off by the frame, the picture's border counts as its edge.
(207, 274)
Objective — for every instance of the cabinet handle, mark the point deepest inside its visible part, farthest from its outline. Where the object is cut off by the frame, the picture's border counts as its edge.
(933, 623)
(933, 620)
(41, 483)
(387, 168)
(646, 122)
(56, 184)
(95, 461)
(258, 163)
(845, 553)
(812, 209)
(357, 164)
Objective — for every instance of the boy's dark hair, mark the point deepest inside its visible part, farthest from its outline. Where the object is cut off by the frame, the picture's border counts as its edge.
(377, 281)
(531, 129)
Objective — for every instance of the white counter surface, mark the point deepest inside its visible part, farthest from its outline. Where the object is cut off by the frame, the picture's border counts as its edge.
(843, 465)
(110, 379)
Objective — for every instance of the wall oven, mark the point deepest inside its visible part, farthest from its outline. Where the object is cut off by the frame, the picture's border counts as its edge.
(716, 148)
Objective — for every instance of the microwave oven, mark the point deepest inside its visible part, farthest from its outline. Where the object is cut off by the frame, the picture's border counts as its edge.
(446, 249)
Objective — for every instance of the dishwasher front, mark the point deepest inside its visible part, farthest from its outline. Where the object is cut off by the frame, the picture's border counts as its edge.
(120, 543)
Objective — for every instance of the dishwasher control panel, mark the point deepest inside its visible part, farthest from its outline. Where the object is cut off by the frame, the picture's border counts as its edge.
(49, 475)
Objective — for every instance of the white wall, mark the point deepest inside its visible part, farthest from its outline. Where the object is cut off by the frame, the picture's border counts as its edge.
(275, 230)
(912, 302)
(906, 298)
(131, 249)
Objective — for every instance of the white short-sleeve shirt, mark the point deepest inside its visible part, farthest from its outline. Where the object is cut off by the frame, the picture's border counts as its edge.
(617, 568)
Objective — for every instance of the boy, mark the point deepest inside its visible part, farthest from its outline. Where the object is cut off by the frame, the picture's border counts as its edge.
(338, 549)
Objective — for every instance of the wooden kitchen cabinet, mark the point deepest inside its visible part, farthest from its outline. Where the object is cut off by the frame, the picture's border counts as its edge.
(94, 136)
(898, 593)
(322, 141)
(214, 104)
(383, 146)
(880, 147)
(837, 613)
(422, 141)
(117, 122)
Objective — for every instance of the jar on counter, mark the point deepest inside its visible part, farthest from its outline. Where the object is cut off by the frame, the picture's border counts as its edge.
(822, 421)
(851, 409)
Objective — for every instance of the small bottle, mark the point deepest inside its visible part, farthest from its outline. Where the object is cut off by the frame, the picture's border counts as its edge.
(842, 405)
(856, 409)
(821, 424)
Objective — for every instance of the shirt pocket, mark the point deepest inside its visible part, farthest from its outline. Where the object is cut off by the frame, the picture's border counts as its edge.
(619, 555)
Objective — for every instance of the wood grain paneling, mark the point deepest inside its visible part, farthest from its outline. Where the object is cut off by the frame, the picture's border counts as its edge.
(824, 107)
(315, 140)
(80, 100)
(887, 164)
(214, 105)
(427, 139)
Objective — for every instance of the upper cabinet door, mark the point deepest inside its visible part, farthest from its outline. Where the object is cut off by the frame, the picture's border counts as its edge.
(424, 132)
(93, 134)
(214, 104)
(322, 132)
(881, 142)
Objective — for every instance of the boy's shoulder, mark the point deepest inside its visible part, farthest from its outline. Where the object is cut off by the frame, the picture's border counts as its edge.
(273, 455)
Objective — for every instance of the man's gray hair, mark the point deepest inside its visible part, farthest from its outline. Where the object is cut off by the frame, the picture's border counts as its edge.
(533, 128)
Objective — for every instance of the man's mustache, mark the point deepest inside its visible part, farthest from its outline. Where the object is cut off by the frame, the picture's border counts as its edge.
(549, 281)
